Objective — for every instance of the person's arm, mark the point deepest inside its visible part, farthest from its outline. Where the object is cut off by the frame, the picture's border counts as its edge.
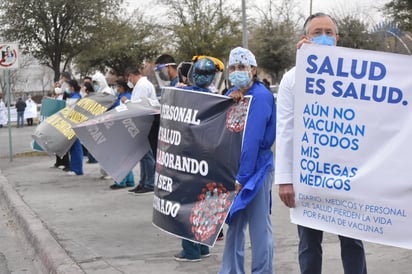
(284, 139)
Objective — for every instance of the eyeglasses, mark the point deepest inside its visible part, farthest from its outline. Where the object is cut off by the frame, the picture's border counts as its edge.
(162, 66)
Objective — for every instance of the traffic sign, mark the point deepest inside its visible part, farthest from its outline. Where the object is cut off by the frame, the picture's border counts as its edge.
(9, 56)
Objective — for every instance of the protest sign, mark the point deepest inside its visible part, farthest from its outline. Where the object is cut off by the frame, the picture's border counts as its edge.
(49, 106)
(55, 134)
(352, 143)
(200, 139)
(118, 139)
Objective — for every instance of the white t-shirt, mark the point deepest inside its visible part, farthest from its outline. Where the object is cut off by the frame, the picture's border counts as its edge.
(144, 89)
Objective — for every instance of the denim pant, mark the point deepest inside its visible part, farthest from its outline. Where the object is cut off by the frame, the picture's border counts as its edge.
(20, 118)
(310, 252)
(147, 170)
(257, 216)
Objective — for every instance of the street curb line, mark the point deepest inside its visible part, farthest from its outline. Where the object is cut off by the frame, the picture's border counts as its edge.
(54, 259)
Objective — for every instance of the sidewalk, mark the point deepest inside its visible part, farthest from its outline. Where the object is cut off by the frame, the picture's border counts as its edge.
(77, 224)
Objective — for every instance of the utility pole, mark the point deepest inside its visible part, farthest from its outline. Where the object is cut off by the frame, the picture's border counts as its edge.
(244, 26)
(310, 8)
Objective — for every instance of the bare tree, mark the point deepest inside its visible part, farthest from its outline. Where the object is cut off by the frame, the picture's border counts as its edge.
(54, 31)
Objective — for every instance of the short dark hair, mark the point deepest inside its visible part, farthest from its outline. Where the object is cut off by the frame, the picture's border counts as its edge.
(133, 70)
(123, 84)
(315, 15)
(73, 83)
(88, 87)
(166, 59)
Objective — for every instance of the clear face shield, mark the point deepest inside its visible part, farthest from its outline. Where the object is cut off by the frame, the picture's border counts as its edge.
(162, 74)
(216, 83)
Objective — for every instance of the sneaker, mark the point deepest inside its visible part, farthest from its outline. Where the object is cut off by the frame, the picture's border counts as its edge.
(105, 177)
(205, 255)
(133, 190)
(71, 173)
(143, 191)
(66, 169)
(180, 258)
(116, 186)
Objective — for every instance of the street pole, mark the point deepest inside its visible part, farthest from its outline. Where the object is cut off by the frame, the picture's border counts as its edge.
(310, 8)
(7, 81)
(244, 26)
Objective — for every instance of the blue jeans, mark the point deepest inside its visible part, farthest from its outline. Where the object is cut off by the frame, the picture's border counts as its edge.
(147, 170)
(310, 252)
(20, 118)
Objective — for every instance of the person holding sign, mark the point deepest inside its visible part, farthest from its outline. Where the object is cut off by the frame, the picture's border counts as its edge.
(203, 73)
(76, 150)
(319, 29)
(142, 88)
(255, 175)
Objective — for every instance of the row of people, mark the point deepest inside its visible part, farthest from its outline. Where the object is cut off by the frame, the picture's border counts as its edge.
(253, 182)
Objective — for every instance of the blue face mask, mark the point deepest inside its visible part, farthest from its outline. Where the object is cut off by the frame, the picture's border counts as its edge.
(96, 87)
(324, 40)
(239, 78)
(67, 90)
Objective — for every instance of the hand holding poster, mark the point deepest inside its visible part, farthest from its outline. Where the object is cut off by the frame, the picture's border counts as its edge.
(200, 139)
(352, 143)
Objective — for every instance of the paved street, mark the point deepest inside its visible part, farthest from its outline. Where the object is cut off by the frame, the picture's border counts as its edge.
(78, 225)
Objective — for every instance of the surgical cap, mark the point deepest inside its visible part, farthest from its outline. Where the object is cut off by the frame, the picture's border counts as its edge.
(243, 56)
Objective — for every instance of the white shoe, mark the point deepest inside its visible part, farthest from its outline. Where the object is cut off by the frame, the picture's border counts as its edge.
(71, 173)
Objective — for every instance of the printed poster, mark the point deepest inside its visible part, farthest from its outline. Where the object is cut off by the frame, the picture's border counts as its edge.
(200, 140)
(352, 143)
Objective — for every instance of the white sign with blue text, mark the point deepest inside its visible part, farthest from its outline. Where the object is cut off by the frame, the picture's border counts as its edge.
(352, 173)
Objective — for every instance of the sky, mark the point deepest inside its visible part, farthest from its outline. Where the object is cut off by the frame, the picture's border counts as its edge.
(365, 9)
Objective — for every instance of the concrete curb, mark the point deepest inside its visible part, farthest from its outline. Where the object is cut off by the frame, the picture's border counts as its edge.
(53, 258)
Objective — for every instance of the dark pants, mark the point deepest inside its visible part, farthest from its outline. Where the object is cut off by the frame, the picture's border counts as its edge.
(147, 170)
(193, 250)
(310, 252)
(64, 161)
(29, 121)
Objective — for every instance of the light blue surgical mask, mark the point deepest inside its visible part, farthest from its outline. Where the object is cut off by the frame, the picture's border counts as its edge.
(324, 40)
(96, 87)
(67, 90)
(240, 78)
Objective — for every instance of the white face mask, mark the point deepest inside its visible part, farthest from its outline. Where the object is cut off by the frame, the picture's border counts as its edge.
(130, 84)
